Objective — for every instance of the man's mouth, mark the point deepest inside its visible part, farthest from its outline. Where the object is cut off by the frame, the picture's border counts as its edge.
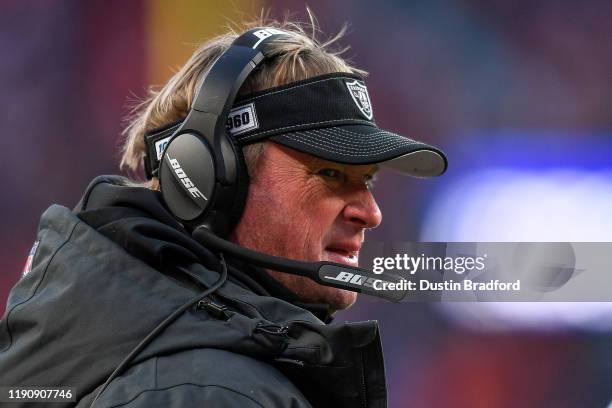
(343, 254)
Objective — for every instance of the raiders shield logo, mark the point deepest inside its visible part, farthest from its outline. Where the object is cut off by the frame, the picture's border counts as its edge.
(359, 93)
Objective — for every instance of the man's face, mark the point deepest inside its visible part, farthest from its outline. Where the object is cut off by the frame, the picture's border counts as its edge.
(305, 208)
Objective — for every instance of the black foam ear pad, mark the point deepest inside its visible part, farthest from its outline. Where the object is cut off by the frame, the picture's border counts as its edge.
(187, 177)
(242, 186)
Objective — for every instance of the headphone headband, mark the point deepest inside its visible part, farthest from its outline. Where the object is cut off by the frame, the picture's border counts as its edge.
(208, 115)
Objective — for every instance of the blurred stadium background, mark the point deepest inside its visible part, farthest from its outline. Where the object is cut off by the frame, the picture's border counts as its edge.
(518, 93)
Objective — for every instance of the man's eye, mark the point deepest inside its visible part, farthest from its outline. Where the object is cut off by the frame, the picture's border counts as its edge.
(332, 173)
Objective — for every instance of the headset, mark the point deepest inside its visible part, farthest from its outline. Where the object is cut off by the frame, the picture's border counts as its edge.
(203, 178)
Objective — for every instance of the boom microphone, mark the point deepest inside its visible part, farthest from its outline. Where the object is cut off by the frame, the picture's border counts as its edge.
(323, 272)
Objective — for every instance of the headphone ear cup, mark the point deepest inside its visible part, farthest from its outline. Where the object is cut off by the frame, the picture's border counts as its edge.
(187, 177)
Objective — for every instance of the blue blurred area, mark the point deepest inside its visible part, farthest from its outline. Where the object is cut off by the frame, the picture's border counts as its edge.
(517, 86)
(519, 185)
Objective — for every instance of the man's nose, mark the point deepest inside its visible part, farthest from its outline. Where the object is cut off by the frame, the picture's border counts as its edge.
(362, 209)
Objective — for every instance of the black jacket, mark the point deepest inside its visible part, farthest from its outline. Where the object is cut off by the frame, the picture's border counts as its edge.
(105, 274)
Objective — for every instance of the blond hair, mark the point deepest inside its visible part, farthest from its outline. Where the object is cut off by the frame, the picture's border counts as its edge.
(295, 57)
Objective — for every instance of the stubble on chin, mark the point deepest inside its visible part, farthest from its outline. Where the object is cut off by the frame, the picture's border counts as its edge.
(311, 292)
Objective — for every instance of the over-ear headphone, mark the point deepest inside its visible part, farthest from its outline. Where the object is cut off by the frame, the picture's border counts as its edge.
(202, 174)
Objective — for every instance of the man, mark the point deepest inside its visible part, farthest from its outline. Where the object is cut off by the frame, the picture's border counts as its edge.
(123, 301)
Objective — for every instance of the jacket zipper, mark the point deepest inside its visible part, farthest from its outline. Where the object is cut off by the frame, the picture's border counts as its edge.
(364, 395)
(274, 329)
(216, 310)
